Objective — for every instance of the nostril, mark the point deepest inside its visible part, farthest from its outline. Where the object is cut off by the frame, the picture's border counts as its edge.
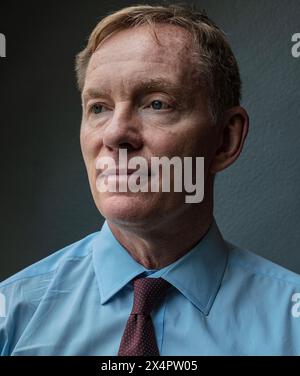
(126, 145)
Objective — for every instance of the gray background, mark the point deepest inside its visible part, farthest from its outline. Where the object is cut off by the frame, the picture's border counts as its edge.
(45, 198)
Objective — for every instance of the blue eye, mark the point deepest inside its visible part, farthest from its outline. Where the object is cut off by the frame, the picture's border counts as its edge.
(97, 108)
(157, 105)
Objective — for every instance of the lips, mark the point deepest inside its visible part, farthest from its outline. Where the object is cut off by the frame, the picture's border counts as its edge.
(119, 179)
(123, 172)
(118, 172)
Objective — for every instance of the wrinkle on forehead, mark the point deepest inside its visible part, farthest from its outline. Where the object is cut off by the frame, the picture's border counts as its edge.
(170, 45)
(131, 56)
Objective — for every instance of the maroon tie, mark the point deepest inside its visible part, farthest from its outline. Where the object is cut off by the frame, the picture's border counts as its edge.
(139, 337)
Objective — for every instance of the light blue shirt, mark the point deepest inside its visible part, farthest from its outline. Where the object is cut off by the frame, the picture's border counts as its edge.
(224, 301)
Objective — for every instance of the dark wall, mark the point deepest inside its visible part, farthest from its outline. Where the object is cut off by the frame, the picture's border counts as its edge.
(45, 198)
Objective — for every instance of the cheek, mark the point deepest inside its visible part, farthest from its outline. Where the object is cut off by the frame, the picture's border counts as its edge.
(164, 142)
(192, 136)
(90, 144)
(201, 140)
(177, 143)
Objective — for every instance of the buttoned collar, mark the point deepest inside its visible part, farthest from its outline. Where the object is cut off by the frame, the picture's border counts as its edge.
(197, 274)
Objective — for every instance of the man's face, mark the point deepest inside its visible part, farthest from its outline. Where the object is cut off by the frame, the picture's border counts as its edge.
(143, 95)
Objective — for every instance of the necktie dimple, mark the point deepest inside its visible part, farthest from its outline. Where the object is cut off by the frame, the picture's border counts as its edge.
(139, 337)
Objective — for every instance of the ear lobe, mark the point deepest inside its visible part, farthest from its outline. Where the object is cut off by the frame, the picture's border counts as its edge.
(234, 130)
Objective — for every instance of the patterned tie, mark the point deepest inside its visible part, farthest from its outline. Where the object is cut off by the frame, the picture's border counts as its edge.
(139, 337)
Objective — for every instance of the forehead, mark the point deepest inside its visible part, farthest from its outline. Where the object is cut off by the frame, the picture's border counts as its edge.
(165, 48)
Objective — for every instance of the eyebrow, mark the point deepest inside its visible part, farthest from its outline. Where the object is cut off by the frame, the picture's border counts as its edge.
(151, 85)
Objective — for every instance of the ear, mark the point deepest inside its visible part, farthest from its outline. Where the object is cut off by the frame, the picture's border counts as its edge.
(233, 132)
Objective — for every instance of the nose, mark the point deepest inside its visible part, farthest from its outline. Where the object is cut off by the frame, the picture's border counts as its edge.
(123, 130)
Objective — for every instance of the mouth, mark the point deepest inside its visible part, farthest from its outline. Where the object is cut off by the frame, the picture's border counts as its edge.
(117, 180)
(123, 172)
(117, 172)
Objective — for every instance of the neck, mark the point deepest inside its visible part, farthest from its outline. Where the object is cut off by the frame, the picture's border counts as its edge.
(157, 246)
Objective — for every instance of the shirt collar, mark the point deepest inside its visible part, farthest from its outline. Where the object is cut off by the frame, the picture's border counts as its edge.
(197, 274)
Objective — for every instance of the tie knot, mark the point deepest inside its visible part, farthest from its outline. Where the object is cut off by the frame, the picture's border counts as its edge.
(147, 293)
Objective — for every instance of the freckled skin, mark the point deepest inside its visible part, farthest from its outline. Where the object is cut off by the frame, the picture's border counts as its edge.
(120, 63)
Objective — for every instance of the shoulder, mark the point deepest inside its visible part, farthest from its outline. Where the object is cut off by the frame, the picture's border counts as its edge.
(259, 267)
(21, 294)
(50, 264)
(30, 284)
(266, 302)
(266, 288)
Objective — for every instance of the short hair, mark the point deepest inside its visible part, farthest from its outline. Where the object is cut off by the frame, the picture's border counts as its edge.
(218, 68)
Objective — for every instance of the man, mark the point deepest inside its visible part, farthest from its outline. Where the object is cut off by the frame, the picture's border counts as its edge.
(158, 279)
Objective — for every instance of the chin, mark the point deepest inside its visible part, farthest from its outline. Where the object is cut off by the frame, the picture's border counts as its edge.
(126, 209)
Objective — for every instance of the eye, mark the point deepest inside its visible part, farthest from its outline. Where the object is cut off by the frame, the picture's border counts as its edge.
(97, 108)
(159, 105)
